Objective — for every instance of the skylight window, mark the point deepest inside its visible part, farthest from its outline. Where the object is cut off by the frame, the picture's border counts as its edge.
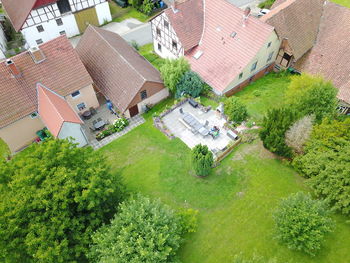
(233, 34)
(198, 54)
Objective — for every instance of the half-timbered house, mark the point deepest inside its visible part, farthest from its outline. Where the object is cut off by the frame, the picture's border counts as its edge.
(43, 20)
(225, 45)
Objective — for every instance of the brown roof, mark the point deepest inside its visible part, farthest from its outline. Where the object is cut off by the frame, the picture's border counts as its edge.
(62, 71)
(117, 69)
(330, 56)
(187, 22)
(54, 110)
(224, 56)
(18, 11)
(298, 21)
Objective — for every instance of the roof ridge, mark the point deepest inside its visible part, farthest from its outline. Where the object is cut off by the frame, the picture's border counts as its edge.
(144, 79)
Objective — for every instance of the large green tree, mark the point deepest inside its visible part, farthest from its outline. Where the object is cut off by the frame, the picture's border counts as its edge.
(190, 84)
(301, 223)
(52, 197)
(172, 71)
(143, 230)
(312, 95)
(235, 109)
(275, 124)
(202, 160)
(326, 163)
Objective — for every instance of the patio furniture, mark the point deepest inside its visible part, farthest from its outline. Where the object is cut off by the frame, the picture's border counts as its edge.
(94, 122)
(203, 131)
(99, 119)
(99, 125)
(92, 110)
(232, 135)
(193, 103)
(214, 132)
(195, 125)
(87, 115)
(92, 129)
(206, 123)
(181, 111)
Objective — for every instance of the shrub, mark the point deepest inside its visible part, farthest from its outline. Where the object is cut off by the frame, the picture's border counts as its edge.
(299, 133)
(202, 160)
(190, 84)
(312, 95)
(235, 109)
(172, 72)
(143, 230)
(275, 125)
(147, 7)
(326, 163)
(135, 45)
(62, 194)
(301, 223)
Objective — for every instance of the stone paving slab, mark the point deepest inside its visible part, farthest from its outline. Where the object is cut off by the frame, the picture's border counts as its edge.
(133, 123)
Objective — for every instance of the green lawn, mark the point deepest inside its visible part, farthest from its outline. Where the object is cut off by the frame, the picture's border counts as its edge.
(148, 53)
(119, 14)
(235, 202)
(342, 2)
(264, 94)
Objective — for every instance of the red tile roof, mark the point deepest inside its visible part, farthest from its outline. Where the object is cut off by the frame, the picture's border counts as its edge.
(298, 21)
(330, 55)
(62, 71)
(117, 69)
(187, 22)
(224, 57)
(54, 110)
(18, 11)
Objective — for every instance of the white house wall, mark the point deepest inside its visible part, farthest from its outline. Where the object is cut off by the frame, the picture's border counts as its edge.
(77, 5)
(165, 39)
(103, 13)
(51, 30)
(2, 43)
(261, 57)
(75, 131)
(159, 96)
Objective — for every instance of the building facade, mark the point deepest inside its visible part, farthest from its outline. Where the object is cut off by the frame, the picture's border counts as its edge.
(2, 43)
(49, 19)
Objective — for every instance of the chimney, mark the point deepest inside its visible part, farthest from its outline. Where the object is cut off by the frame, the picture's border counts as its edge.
(173, 7)
(12, 66)
(246, 15)
(37, 55)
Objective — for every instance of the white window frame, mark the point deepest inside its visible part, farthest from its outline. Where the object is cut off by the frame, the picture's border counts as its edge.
(39, 41)
(85, 106)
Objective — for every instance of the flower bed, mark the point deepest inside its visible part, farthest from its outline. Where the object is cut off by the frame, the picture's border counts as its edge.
(117, 126)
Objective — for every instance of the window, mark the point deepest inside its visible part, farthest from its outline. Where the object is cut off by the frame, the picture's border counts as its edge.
(270, 57)
(269, 44)
(59, 22)
(158, 32)
(63, 6)
(62, 32)
(143, 94)
(34, 115)
(75, 94)
(39, 41)
(254, 66)
(40, 28)
(174, 45)
(159, 47)
(81, 106)
(240, 75)
(166, 24)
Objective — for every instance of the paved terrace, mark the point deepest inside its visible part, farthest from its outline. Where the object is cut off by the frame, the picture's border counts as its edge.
(105, 114)
(171, 120)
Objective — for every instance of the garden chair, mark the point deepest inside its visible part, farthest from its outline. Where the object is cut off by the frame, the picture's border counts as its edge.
(181, 111)
(94, 122)
(99, 119)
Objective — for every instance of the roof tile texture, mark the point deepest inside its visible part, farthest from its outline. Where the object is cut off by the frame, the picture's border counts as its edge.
(187, 22)
(298, 21)
(18, 11)
(225, 57)
(117, 69)
(62, 71)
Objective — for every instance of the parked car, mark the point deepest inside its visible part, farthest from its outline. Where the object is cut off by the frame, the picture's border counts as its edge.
(122, 3)
(263, 12)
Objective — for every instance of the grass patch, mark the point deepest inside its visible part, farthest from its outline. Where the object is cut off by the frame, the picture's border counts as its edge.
(4, 149)
(263, 94)
(266, 4)
(235, 202)
(342, 2)
(119, 14)
(153, 58)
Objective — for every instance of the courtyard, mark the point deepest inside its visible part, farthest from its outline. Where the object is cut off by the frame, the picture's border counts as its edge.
(176, 124)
